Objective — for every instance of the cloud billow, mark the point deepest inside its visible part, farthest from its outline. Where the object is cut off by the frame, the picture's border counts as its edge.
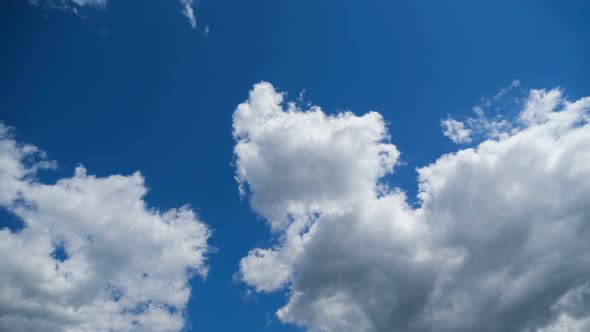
(499, 241)
(91, 255)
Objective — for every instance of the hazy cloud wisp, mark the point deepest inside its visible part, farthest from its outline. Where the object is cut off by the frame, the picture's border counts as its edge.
(74, 6)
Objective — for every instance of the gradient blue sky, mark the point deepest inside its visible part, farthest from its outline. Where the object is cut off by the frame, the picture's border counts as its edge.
(134, 87)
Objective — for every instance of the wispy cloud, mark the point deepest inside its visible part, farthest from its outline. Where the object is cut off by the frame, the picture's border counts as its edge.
(490, 118)
(189, 11)
(76, 6)
(91, 255)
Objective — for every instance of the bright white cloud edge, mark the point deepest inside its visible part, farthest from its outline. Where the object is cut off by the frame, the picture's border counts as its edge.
(499, 240)
(126, 266)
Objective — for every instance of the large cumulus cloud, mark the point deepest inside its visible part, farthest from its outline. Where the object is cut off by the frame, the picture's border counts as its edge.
(499, 241)
(91, 255)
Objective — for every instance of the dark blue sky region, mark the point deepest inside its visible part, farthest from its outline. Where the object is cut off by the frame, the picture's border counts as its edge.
(134, 87)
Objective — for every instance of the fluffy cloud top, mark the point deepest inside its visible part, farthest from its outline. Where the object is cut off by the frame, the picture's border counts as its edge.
(294, 161)
(498, 243)
(91, 256)
(188, 10)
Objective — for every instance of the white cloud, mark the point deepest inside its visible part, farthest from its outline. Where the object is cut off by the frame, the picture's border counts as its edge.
(294, 161)
(573, 310)
(74, 6)
(566, 323)
(483, 126)
(91, 256)
(94, 3)
(189, 11)
(456, 131)
(499, 240)
(539, 106)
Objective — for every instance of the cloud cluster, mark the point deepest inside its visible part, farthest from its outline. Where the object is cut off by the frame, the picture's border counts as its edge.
(90, 255)
(498, 243)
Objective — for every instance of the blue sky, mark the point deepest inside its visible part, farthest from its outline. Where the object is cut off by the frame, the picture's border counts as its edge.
(133, 86)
